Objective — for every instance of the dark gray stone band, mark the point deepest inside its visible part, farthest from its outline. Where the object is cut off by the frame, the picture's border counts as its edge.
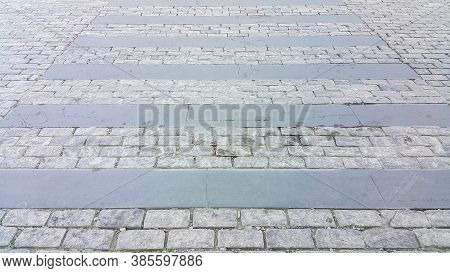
(229, 72)
(266, 116)
(223, 20)
(215, 3)
(229, 42)
(352, 189)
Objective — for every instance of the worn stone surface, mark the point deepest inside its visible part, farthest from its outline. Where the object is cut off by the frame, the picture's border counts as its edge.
(260, 217)
(130, 218)
(40, 237)
(408, 218)
(358, 218)
(310, 218)
(167, 219)
(190, 238)
(240, 238)
(140, 240)
(6, 235)
(339, 238)
(88, 239)
(71, 218)
(26, 217)
(439, 238)
(215, 218)
(390, 238)
(438, 218)
(289, 238)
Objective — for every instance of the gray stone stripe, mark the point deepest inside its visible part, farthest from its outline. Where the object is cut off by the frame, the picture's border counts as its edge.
(215, 3)
(229, 72)
(266, 116)
(281, 41)
(353, 189)
(220, 20)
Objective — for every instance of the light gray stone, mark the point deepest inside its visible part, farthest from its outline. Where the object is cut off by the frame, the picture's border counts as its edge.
(215, 218)
(167, 219)
(438, 218)
(439, 238)
(190, 239)
(6, 235)
(140, 240)
(358, 218)
(289, 238)
(410, 218)
(263, 217)
(311, 218)
(339, 238)
(244, 238)
(71, 218)
(40, 237)
(120, 218)
(390, 238)
(26, 217)
(88, 239)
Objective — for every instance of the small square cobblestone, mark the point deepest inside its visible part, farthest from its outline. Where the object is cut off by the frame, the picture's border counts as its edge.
(244, 238)
(190, 239)
(140, 240)
(390, 238)
(6, 235)
(339, 238)
(263, 217)
(409, 218)
(215, 218)
(117, 218)
(311, 218)
(289, 238)
(40, 237)
(439, 238)
(26, 217)
(71, 218)
(88, 239)
(167, 219)
(358, 218)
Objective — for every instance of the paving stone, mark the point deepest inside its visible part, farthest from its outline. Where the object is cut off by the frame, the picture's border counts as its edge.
(190, 239)
(140, 240)
(2, 213)
(118, 218)
(339, 238)
(263, 217)
(438, 218)
(409, 218)
(390, 238)
(6, 235)
(213, 162)
(289, 238)
(175, 162)
(26, 217)
(96, 162)
(71, 218)
(215, 218)
(244, 238)
(250, 162)
(358, 218)
(310, 218)
(324, 162)
(40, 237)
(439, 238)
(88, 239)
(137, 162)
(286, 162)
(167, 219)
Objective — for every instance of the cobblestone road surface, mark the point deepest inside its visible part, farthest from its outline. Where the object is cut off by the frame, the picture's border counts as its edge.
(36, 35)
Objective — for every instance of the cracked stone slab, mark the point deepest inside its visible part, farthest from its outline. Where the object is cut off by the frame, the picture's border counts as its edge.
(131, 188)
(229, 72)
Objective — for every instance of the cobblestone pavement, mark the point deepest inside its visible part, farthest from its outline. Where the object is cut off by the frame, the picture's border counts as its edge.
(36, 35)
(25, 230)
